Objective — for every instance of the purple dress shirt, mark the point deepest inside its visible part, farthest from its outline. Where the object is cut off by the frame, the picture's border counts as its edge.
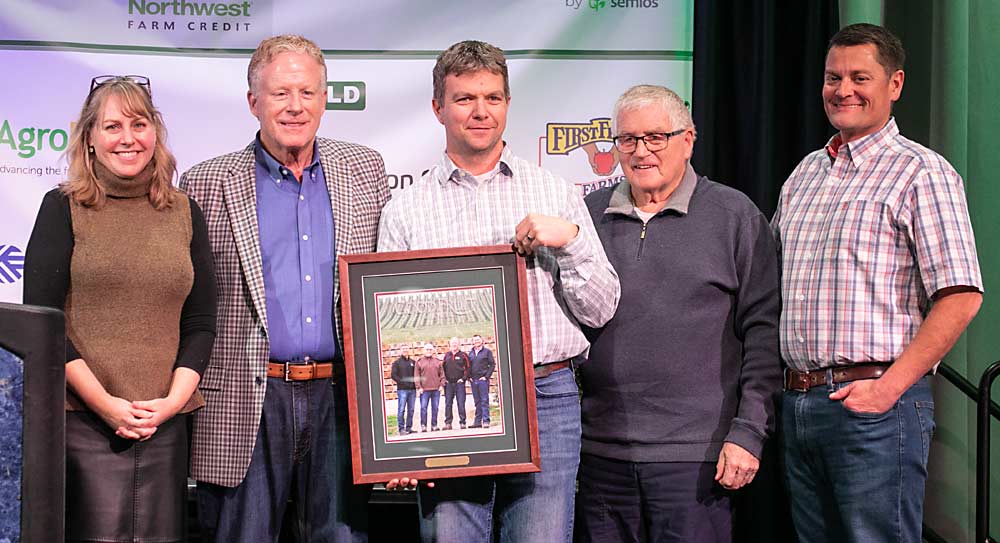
(297, 250)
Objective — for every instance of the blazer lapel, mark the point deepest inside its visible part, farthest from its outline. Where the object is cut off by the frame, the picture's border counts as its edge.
(240, 192)
(339, 180)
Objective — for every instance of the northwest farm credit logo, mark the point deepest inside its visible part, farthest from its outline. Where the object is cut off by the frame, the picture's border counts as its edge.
(170, 15)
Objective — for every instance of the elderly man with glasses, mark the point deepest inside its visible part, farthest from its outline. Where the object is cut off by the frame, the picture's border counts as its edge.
(678, 391)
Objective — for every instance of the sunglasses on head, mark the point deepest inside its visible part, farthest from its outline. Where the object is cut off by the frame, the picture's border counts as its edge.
(102, 80)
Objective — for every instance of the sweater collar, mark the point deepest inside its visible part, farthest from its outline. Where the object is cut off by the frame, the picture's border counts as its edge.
(124, 187)
(622, 203)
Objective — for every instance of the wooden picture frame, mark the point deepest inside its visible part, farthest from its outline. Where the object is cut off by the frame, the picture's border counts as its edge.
(406, 300)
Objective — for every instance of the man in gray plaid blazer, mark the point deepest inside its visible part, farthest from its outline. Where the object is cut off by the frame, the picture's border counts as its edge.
(279, 212)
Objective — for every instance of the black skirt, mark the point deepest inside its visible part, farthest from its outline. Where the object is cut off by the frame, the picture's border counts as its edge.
(121, 489)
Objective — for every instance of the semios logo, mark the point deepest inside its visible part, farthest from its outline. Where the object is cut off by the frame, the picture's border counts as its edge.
(11, 263)
(345, 95)
(31, 140)
(600, 5)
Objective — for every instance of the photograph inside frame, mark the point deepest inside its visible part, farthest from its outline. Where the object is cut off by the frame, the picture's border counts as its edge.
(438, 354)
(438, 366)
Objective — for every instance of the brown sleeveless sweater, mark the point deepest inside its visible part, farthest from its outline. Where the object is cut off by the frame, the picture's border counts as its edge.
(130, 274)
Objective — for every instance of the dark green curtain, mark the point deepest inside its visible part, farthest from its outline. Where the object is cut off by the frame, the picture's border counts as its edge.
(758, 74)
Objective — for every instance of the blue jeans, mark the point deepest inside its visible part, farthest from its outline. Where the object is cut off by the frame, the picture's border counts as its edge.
(406, 399)
(857, 477)
(524, 507)
(454, 391)
(434, 397)
(303, 446)
(481, 399)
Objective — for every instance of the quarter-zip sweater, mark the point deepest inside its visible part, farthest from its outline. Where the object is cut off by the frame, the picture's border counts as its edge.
(690, 359)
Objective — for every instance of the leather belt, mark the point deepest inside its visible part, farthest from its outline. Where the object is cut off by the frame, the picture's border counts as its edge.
(802, 381)
(544, 370)
(303, 371)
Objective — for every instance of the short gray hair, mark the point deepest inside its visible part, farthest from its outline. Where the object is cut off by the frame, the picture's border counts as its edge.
(641, 96)
(274, 46)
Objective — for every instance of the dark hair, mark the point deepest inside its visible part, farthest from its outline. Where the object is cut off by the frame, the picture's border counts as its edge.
(890, 50)
(467, 57)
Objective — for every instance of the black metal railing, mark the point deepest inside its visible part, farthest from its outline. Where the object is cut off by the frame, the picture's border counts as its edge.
(985, 408)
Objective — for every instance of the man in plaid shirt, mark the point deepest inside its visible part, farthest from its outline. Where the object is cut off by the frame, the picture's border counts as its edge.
(498, 198)
(879, 279)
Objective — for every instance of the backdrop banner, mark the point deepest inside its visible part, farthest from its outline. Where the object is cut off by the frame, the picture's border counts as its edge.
(569, 60)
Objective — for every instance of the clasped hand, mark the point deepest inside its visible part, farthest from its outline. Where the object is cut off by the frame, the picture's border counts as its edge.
(137, 420)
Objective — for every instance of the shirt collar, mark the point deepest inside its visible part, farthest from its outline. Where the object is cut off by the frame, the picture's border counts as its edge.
(275, 169)
(679, 200)
(459, 176)
(862, 149)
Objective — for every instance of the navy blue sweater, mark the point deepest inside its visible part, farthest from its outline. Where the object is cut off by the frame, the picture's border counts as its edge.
(690, 359)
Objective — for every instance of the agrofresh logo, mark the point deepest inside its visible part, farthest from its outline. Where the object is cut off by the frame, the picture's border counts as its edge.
(31, 140)
(345, 95)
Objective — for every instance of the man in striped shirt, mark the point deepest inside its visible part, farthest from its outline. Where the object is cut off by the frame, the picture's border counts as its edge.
(479, 193)
(879, 279)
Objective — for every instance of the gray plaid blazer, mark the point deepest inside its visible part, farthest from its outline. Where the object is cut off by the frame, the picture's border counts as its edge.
(235, 380)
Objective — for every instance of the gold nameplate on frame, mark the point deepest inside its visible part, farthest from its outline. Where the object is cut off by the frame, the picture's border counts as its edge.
(446, 461)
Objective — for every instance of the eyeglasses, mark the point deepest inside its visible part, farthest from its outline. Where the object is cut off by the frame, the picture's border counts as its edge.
(102, 80)
(654, 141)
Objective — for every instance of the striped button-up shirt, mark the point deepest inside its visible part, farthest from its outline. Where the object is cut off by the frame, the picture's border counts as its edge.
(866, 238)
(569, 286)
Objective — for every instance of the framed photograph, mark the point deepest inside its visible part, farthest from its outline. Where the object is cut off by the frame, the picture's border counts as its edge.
(438, 358)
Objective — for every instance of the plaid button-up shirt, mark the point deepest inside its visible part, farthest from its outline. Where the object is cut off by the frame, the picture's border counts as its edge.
(448, 207)
(866, 239)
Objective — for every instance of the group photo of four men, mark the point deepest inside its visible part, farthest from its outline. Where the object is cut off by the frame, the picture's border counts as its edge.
(685, 314)
(427, 376)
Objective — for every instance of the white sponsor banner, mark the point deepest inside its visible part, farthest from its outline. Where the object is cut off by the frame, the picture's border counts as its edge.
(559, 113)
(370, 25)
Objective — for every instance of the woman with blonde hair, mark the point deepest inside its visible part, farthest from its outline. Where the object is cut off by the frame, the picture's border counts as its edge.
(126, 256)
